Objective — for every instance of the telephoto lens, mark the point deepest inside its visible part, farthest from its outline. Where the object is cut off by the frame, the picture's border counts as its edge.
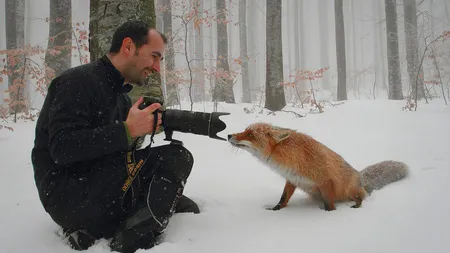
(200, 123)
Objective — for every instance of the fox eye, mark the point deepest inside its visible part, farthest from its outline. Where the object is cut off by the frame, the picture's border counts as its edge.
(250, 135)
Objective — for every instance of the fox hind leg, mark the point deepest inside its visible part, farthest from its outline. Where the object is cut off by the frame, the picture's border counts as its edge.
(285, 196)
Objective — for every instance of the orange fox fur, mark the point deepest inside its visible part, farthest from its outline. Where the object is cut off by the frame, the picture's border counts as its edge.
(309, 165)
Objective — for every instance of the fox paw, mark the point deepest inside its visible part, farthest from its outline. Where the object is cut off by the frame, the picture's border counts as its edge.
(275, 208)
(328, 207)
(356, 206)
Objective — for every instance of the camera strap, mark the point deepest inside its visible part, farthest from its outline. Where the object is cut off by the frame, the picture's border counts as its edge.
(133, 168)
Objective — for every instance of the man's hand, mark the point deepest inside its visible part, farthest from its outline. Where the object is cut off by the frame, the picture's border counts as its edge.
(140, 122)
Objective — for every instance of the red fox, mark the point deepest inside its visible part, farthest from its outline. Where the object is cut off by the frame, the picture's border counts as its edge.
(307, 164)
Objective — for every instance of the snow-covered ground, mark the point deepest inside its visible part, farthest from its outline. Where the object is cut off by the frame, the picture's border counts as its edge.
(233, 188)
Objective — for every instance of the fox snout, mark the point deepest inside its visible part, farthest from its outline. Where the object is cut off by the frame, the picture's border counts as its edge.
(234, 140)
(231, 139)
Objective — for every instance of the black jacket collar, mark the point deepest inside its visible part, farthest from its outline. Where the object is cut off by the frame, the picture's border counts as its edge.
(115, 77)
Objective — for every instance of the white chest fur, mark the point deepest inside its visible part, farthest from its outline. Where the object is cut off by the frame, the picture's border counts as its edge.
(287, 173)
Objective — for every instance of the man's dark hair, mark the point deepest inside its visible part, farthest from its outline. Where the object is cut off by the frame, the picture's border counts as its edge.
(136, 30)
(162, 36)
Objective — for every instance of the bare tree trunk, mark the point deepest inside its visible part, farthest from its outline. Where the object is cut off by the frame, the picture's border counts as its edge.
(246, 93)
(302, 51)
(275, 99)
(438, 74)
(349, 42)
(228, 7)
(20, 23)
(211, 48)
(340, 51)
(223, 90)
(380, 69)
(297, 32)
(15, 39)
(447, 11)
(382, 48)
(11, 36)
(412, 49)
(94, 41)
(159, 14)
(254, 75)
(60, 33)
(21, 96)
(145, 11)
(394, 78)
(169, 59)
(324, 45)
(354, 49)
(199, 74)
(376, 49)
(189, 53)
(290, 26)
(431, 28)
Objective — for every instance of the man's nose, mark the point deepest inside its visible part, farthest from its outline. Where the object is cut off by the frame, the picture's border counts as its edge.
(156, 66)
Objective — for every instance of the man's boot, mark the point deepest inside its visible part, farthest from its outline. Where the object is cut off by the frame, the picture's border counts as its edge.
(186, 205)
(142, 228)
(164, 190)
(136, 234)
(78, 239)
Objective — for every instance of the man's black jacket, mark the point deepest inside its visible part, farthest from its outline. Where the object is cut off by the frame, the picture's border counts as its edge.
(80, 127)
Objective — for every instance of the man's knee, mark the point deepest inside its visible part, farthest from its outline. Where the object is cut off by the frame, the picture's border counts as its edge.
(186, 161)
(179, 161)
(185, 155)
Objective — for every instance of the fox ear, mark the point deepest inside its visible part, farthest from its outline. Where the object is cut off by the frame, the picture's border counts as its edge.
(280, 134)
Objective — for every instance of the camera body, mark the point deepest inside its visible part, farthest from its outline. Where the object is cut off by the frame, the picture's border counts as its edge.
(200, 123)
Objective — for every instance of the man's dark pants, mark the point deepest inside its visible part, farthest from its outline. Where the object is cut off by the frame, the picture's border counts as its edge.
(133, 218)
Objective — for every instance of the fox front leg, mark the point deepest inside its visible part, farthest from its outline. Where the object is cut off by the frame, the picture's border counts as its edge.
(285, 196)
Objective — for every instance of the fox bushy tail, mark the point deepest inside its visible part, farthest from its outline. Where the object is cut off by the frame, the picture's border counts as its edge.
(376, 176)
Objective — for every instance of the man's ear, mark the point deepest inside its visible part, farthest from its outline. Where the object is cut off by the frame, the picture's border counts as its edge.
(280, 134)
(127, 45)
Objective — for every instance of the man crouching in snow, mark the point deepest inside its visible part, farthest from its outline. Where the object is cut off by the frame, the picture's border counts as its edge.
(85, 129)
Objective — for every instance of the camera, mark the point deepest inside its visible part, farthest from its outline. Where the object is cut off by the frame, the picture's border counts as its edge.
(200, 123)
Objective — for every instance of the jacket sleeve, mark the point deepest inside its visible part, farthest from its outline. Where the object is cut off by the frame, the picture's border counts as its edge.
(71, 136)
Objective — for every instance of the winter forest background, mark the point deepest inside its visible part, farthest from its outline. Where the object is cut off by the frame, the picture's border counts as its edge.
(368, 78)
(269, 53)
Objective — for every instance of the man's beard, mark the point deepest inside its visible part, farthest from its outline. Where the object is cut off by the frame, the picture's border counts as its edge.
(135, 77)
